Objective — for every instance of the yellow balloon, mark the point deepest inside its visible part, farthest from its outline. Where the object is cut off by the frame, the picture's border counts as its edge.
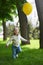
(27, 8)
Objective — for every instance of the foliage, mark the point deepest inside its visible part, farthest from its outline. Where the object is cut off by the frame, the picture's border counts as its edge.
(6, 9)
(10, 30)
(0, 23)
(0, 30)
(30, 28)
(36, 33)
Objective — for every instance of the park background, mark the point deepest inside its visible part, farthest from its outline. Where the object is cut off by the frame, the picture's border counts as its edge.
(32, 54)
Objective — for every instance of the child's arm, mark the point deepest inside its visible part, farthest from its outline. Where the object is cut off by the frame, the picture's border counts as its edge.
(9, 41)
(24, 39)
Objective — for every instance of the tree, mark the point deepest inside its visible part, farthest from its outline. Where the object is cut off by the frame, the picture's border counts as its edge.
(23, 25)
(7, 8)
(39, 4)
(23, 20)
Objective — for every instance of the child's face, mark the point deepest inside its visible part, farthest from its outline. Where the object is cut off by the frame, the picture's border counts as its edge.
(16, 31)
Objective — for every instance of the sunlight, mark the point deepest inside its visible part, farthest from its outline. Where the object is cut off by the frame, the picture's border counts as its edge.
(34, 44)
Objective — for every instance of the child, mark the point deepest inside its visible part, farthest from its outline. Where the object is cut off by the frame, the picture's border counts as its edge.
(16, 43)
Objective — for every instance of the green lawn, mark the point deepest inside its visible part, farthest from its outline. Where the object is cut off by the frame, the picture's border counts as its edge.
(30, 55)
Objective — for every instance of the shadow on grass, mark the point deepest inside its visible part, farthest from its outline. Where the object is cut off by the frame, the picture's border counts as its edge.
(26, 57)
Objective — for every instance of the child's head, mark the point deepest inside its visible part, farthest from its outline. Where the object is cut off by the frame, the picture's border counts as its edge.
(16, 31)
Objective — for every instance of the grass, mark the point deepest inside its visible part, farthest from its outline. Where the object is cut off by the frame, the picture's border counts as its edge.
(31, 54)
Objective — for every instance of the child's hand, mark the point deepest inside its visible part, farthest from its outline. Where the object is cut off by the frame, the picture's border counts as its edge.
(27, 41)
(6, 46)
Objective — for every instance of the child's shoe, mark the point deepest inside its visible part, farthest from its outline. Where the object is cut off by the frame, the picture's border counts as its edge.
(17, 56)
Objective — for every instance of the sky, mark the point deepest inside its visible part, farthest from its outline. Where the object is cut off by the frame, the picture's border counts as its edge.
(33, 16)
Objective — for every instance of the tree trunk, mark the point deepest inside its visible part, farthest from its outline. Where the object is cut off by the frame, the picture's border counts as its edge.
(23, 25)
(4, 30)
(39, 5)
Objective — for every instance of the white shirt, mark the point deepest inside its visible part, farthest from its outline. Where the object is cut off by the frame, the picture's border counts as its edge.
(15, 40)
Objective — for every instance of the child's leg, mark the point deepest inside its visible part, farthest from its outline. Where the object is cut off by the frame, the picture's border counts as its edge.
(14, 51)
(18, 50)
